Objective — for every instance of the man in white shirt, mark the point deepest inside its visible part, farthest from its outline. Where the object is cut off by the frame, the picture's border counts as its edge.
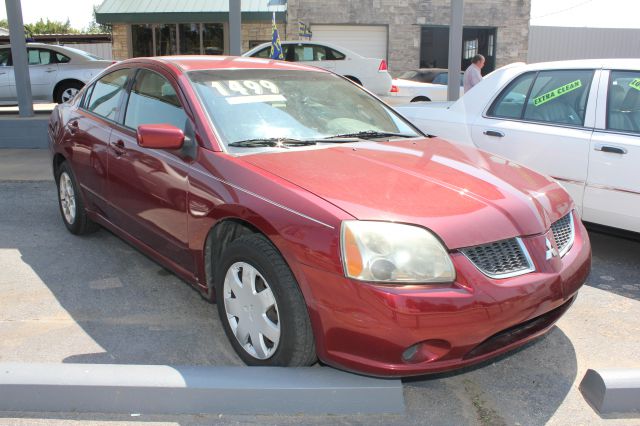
(472, 75)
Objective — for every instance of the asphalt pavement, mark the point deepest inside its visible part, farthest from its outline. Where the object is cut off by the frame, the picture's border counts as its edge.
(95, 299)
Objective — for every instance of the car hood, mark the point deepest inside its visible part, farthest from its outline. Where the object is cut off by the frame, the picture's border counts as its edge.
(466, 196)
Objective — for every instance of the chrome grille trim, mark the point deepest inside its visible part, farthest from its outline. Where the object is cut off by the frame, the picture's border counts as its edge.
(521, 264)
(564, 233)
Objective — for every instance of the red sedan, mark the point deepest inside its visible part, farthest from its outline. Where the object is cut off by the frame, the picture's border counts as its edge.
(323, 224)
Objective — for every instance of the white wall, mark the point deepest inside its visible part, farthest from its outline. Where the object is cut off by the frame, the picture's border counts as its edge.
(564, 43)
(99, 49)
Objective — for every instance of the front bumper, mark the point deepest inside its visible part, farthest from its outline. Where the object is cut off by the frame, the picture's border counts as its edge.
(413, 330)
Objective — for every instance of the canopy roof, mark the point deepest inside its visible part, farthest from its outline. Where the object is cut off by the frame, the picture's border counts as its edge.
(182, 11)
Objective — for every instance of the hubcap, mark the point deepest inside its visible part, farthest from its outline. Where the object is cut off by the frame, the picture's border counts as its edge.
(68, 94)
(251, 310)
(67, 198)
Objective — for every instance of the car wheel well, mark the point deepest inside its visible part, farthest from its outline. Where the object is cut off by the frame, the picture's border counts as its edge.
(58, 159)
(61, 83)
(354, 79)
(220, 236)
(421, 99)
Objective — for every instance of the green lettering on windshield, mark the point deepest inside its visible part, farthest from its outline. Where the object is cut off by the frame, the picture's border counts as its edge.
(562, 90)
(635, 84)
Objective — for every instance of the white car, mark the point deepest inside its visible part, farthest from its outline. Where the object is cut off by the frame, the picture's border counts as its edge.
(577, 121)
(56, 72)
(369, 72)
(421, 85)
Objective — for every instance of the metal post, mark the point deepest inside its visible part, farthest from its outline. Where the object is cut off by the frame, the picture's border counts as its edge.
(19, 57)
(235, 28)
(455, 49)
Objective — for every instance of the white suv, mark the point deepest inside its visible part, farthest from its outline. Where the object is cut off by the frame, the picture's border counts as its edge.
(368, 72)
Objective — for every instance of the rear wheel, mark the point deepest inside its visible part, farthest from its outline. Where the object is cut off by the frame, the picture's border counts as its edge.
(261, 307)
(420, 99)
(66, 91)
(73, 213)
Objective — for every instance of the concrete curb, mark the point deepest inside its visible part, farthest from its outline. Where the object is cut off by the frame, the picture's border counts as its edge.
(30, 132)
(162, 389)
(612, 390)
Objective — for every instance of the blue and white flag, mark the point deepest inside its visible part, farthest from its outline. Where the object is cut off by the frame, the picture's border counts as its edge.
(276, 47)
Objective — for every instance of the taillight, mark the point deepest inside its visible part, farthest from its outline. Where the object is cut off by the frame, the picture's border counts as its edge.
(394, 89)
(383, 66)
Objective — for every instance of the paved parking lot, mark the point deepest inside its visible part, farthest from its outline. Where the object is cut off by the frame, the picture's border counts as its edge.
(95, 299)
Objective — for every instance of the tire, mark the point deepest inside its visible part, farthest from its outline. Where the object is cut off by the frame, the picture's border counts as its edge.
(279, 321)
(354, 79)
(420, 99)
(72, 209)
(66, 91)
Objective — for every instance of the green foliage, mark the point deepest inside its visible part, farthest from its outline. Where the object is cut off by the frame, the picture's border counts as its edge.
(95, 28)
(4, 24)
(50, 27)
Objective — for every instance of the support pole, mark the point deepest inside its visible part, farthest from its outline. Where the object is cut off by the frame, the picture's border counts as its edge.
(235, 28)
(19, 58)
(455, 49)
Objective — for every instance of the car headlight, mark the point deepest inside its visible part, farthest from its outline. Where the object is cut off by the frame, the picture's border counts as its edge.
(393, 252)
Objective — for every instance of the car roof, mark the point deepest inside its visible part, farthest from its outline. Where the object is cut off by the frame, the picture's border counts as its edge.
(208, 62)
(607, 63)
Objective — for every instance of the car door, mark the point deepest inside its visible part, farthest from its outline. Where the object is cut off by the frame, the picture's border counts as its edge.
(148, 188)
(612, 194)
(7, 92)
(544, 120)
(90, 126)
(43, 71)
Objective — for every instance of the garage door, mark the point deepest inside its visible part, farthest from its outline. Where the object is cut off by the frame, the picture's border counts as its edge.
(367, 40)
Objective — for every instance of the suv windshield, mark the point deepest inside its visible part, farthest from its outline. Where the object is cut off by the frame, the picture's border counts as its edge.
(253, 105)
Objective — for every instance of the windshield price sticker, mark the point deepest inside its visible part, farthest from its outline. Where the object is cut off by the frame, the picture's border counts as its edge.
(563, 90)
(245, 87)
(635, 84)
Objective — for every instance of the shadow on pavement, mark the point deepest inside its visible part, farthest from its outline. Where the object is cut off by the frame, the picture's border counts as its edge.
(616, 264)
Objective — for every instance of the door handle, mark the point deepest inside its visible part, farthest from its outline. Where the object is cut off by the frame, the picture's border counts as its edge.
(118, 147)
(611, 149)
(495, 133)
(50, 70)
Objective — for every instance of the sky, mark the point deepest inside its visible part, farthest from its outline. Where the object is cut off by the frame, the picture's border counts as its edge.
(572, 13)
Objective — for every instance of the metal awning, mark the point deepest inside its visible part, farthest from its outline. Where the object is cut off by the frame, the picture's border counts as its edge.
(182, 11)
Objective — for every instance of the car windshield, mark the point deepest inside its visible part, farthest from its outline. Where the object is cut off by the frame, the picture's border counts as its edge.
(262, 107)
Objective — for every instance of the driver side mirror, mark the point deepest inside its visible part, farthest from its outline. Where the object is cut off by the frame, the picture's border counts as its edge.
(160, 136)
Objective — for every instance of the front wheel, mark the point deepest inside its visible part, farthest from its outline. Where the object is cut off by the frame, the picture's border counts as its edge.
(261, 307)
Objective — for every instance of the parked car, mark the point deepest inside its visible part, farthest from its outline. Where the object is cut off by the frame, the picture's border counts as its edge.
(323, 226)
(56, 72)
(421, 85)
(368, 72)
(577, 121)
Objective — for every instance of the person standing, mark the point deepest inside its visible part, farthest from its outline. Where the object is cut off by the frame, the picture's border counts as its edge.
(472, 75)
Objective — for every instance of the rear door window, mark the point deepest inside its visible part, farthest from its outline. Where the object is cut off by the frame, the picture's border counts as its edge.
(5, 56)
(106, 94)
(623, 101)
(40, 57)
(510, 103)
(559, 96)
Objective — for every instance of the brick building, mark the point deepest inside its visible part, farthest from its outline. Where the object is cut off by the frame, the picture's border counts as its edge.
(408, 33)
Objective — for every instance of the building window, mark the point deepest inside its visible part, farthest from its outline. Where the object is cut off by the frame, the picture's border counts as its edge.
(142, 40)
(189, 35)
(491, 45)
(470, 48)
(177, 39)
(212, 39)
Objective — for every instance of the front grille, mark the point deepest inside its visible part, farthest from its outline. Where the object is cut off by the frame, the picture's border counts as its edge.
(563, 233)
(501, 259)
